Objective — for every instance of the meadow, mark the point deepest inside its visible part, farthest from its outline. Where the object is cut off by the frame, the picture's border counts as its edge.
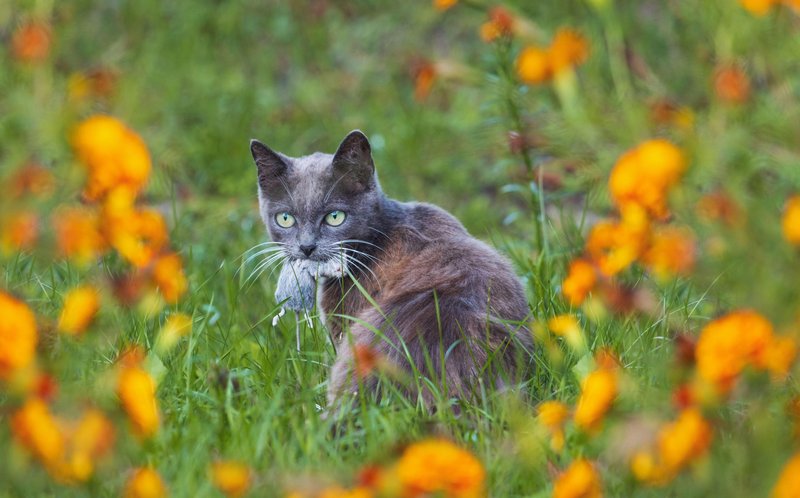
(637, 161)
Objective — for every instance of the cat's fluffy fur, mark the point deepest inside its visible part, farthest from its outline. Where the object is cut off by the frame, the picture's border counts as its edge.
(448, 305)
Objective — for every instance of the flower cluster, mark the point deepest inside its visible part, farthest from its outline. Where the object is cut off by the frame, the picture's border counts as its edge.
(537, 64)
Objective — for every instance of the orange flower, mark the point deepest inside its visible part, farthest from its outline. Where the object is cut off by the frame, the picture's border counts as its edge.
(791, 220)
(730, 343)
(137, 392)
(337, 492)
(778, 356)
(679, 443)
(442, 5)
(568, 49)
(137, 234)
(18, 232)
(615, 245)
(643, 175)
(232, 478)
(732, 85)
(438, 466)
(424, 76)
(31, 179)
(35, 428)
(18, 336)
(533, 65)
(719, 206)
(580, 480)
(552, 415)
(169, 278)
(789, 481)
(92, 437)
(671, 252)
(80, 308)
(758, 7)
(580, 280)
(78, 234)
(598, 392)
(113, 154)
(31, 42)
(500, 23)
(145, 483)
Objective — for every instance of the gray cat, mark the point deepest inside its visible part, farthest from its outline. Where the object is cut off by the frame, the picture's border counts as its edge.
(449, 307)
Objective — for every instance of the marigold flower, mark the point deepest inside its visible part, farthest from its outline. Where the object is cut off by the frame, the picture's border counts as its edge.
(615, 245)
(791, 220)
(31, 42)
(671, 252)
(137, 234)
(80, 307)
(567, 326)
(731, 85)
(232, 478)
(788, 482)
(18, 232)
(643, 175)
(442, 5)
(169, 278)
(758, 7)
(78, 234)
(18, 335)
(92, 437)
(778, 356)
(533, 65)
(730, 343)
(336, 492)
(177, 325)
(438, 466)
(598, 392)
(113, 154)
(145, 483)
(137, 392)
(32, 179)
(581, 278)
(501, 23)
(580, 480)
(552, 415)
(568, 49)
(38, 430)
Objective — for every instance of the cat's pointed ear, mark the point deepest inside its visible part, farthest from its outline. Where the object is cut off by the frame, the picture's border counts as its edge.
(271, 165)
(353, 160)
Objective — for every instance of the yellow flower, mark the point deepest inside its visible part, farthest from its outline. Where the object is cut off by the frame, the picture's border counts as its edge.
(80, 308)
(137, 392)
(791, 220)
(137, 234)
(177, 325)
(92, 437)
(580, 280)
(145, 483)
(788, 485)
(113, 154)
(552, 415)
(438, 466)
(232, 478)
(730, 343)
(567, 326)
(758, 7)
(18, 336)
(39, 432)
(18, 231)
(671, 252)
(778, 356)
(78, 234)
(169, 277)
(615, 245)
(442, 5)
(568, 48)
(598, 392)
(533, 65)
(643, 175)
(336, 492)
(580, 480)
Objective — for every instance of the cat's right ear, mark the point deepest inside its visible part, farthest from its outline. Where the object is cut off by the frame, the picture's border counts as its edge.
(271, 166)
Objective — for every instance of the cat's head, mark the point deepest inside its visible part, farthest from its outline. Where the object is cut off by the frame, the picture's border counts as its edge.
(313, 205)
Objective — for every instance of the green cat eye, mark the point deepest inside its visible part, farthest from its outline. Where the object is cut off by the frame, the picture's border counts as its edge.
(335, 218)
(284, 220)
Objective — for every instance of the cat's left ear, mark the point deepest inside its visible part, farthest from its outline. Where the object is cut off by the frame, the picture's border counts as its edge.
(353, 160)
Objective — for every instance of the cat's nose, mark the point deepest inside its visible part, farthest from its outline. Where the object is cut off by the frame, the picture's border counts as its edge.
(307, 250)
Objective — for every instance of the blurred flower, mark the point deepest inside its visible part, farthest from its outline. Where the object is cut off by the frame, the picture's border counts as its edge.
(113, 155)
(533, 65)
(92, 437)
(758, 7)
(567, 326)
(791, 220)
(232, 478)
(442, 5)
(137, 234)
(552, 415)
(568, 49)
(96, 83)
(581, 278)
(80, 307)
(671, 252)
(643, 175)
(137, 392)
(778, 356)
(731, 85)
(18, 336)
(145, 483)
(18, 231)
(501, 23)
(580, 480)
(38, 430)
(438, 466)
(78, 234)
(337, 492)
(719, 206)
(598, 392)
(169, 278)
(788, 485)
(615, 245)
(31, 42)
(31, 179)
(663, 112)
(424, 76)
(177, 325)
(678, 444)
(728, 344)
